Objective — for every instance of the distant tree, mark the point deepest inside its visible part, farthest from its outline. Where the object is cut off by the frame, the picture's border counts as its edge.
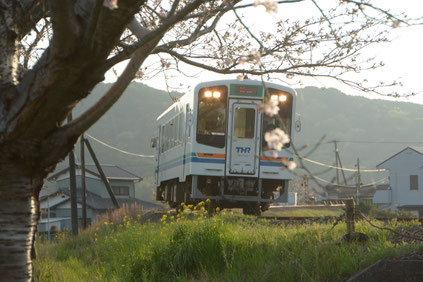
(53, 53)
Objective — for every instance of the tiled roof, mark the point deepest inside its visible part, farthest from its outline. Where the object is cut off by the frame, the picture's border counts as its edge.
(96, 202)
(113, 171)
(417, 149)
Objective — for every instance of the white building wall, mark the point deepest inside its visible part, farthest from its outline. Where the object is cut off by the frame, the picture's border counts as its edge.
(382, 197)
(401, 166)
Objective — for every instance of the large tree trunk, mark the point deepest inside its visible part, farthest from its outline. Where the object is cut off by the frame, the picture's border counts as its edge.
(19, 212)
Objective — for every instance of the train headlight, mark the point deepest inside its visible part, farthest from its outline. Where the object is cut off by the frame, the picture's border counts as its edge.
(282, 98)
(216, 94)
(274, 97)
(208, 94)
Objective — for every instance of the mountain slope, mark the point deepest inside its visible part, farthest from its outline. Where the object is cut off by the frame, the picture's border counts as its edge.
(371, 130)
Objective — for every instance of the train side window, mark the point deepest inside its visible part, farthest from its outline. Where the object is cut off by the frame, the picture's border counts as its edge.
(283, 119)
(181, 127)
(211, 119)
(163, 139)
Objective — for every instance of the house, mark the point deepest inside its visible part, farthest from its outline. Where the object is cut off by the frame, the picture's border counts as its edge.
(405, 189)
(55, 203)
(383, 196)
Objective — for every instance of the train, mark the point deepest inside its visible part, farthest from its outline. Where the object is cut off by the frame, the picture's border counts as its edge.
(210, 146)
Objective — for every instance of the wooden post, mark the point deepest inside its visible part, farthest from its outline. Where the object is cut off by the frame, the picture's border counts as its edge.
(349, 216)
(72, 189)
(102, 175)
(83, 185)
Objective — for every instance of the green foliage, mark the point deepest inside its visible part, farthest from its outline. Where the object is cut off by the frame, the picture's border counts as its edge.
(225, 247)
(373, 211)
(317, 211)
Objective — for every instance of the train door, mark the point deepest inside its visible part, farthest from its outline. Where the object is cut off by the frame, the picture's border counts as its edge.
(243, 143)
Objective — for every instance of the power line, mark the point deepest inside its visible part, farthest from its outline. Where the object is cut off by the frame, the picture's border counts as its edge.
(337, 167)
(351, 186)
(119, 150)
(381, 142)
(366, 142)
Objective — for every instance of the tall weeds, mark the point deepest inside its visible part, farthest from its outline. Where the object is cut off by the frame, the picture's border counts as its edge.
(196, 247)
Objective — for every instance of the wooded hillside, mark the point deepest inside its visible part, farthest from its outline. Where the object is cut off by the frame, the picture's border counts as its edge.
(374, 129)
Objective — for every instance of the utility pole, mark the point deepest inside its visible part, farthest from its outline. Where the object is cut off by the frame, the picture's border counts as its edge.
(305, 186)
(102, 175)
(83, 184)
(358, 181)
(337, 164)
(72, 189)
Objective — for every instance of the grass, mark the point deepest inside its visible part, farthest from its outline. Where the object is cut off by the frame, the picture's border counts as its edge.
(225, 247)
(299, 211)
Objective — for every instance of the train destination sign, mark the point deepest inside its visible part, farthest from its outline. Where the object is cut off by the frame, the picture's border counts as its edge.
(246, 90)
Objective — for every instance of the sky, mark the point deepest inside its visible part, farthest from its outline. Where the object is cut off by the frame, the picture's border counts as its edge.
(403, 56)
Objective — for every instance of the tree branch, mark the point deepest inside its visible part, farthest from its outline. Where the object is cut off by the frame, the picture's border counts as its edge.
(66, 28)
(150, 40)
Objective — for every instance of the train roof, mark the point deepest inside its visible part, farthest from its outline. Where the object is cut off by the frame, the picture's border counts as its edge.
(247, 81)
(228, 81)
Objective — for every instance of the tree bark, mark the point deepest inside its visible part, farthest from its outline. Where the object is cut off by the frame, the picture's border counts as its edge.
(19, 215)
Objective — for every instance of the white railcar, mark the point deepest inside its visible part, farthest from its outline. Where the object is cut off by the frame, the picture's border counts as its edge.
(210, 145)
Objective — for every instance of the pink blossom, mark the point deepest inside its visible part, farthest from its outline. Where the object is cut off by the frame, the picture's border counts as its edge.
(270, 108)
(276, 139)
(270, 5)
(111, 4)
(291, 165)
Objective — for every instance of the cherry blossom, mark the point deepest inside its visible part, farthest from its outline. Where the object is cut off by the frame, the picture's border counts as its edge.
(291, 165)
(270, 108)
(276, 139)
(111, 4)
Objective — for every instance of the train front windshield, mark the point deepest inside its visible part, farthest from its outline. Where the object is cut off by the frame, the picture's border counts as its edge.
(211, 122)
(283, 119)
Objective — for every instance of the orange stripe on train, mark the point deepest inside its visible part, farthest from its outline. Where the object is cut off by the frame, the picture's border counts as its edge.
(272, 159)
(212, 156)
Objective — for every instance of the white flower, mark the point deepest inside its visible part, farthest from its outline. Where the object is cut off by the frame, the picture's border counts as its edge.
(276, 139)
(271, 6)
(291, 165)
(111, 4)
(258, 58)
(270, 108)
(240, 77)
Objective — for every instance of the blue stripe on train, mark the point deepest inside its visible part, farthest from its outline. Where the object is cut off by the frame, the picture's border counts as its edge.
(210, 160)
